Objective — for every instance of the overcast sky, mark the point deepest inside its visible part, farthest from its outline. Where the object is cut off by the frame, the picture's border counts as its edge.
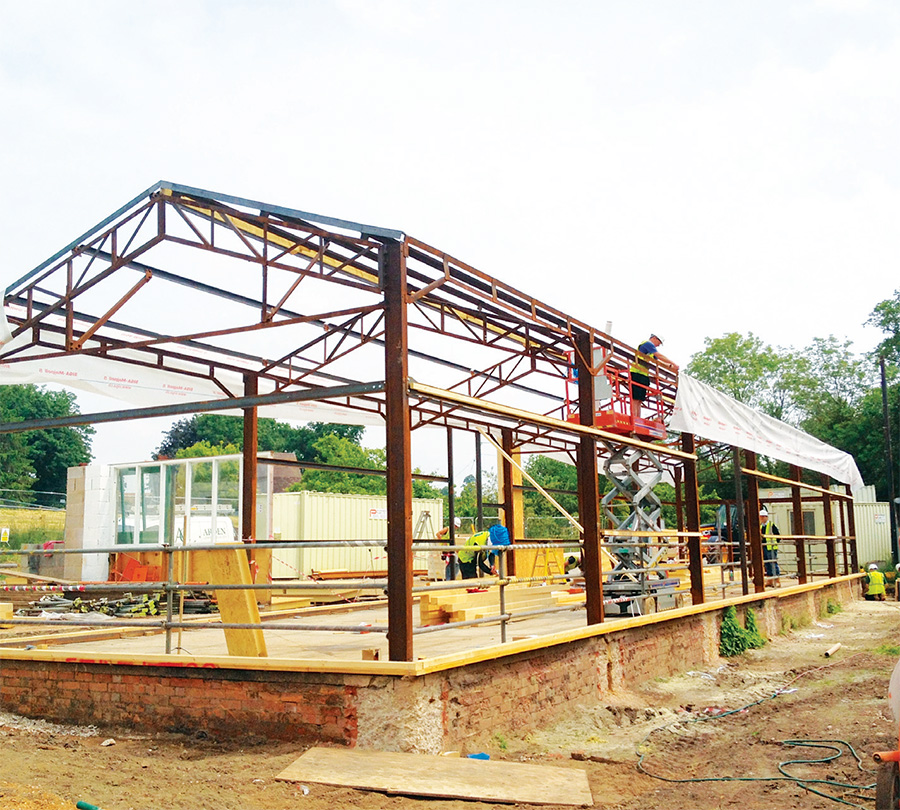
(689, 168)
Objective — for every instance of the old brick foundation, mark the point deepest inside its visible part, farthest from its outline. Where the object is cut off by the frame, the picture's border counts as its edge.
(456, 702)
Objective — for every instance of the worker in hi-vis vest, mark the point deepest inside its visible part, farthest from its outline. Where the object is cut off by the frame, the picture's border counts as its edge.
(647, 353)
(875, 591)
(769, 532)
(472, 559)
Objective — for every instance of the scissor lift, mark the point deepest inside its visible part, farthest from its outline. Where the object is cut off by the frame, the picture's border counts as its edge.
(635, 584)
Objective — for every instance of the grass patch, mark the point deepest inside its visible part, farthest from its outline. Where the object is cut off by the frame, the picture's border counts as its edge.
(888, 649)
(789, 623)
(734, 639)
(833, 607)
(501, 742)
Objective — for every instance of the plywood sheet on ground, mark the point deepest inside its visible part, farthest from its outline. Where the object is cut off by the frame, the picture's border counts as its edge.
(443, 777)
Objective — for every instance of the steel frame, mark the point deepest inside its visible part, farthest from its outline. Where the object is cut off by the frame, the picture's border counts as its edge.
(333, 300)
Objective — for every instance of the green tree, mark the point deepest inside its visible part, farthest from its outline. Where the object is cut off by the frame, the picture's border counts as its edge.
(819, 389)
(228, 470)
(39, 459)
(202, 449)
(886, 317)
(741, 366)
(827, 382)
(341, 452)
(217, 429)
(466, 497)
(551, 475)
(542, 518)
(859, 430)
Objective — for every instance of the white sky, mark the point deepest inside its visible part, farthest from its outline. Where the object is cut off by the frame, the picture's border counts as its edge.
(687, 168)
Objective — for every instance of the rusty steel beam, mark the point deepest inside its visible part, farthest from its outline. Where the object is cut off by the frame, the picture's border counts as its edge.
(797, 525)
(103, 319)
(510, 497)
(692, 514)
(478, 405)
(851, 525)
(250, 451)
(399, 454)
(790, 482)
(588, 483)
(205, 406)
(81, 288)
(829, 527)
(295, 317)
(845, 553)
(753, 525)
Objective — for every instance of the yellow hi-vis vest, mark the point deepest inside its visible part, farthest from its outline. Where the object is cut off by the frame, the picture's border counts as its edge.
(876, 583)
(641, 364)
(467, 553)
(770, 536)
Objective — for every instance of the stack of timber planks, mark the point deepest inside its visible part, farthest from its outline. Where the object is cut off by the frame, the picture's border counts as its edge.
(443, 607)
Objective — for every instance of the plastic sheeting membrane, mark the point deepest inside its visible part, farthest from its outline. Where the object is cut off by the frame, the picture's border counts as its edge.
(144, 387)
(703, 411)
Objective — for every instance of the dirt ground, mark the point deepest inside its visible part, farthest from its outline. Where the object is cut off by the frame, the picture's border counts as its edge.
(685, 727)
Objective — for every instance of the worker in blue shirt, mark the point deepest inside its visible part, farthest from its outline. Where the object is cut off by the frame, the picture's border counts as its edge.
(648, 352)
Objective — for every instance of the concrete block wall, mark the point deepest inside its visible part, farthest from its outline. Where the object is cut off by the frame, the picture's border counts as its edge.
(90, 520)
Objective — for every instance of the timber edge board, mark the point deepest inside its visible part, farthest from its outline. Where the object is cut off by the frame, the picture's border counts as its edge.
(420, 667)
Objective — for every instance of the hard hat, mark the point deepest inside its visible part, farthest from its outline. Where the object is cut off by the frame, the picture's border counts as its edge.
(764, 511)
(457, 522)
(873, 567)
(657, 337)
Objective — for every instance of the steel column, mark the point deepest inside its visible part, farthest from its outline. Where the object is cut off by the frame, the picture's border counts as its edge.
(451, 503)
(753, 527)
(797, 525)
(479, 482)
(679, 499)
(399, 452)
(829, 529)
(692, 514)
(588, 484)
(843, 521)
(851, 526)
(741, 518)
(251, 437)
(513, 518)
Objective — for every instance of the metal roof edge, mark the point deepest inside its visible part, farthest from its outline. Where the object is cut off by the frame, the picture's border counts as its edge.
(364, 230)
(280, 210)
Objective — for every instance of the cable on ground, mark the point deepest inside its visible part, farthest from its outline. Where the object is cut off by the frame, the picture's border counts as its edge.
(834, 747)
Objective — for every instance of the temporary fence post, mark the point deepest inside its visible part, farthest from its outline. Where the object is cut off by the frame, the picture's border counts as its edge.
(502, 570)
(170, 569)
(797, 525)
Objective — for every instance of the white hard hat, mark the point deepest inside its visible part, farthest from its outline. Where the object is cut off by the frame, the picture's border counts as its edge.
(873, 567)
(763, 511)
(457, 522)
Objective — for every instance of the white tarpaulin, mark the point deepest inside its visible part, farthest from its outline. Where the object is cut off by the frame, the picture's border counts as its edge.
(145, 387)
(703, 411)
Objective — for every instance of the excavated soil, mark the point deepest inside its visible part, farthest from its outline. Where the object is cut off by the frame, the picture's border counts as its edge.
(697, 734)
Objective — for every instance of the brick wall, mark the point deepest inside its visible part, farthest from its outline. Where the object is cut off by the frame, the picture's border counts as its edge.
(526, 690)
(459, 707)
(221, 702)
